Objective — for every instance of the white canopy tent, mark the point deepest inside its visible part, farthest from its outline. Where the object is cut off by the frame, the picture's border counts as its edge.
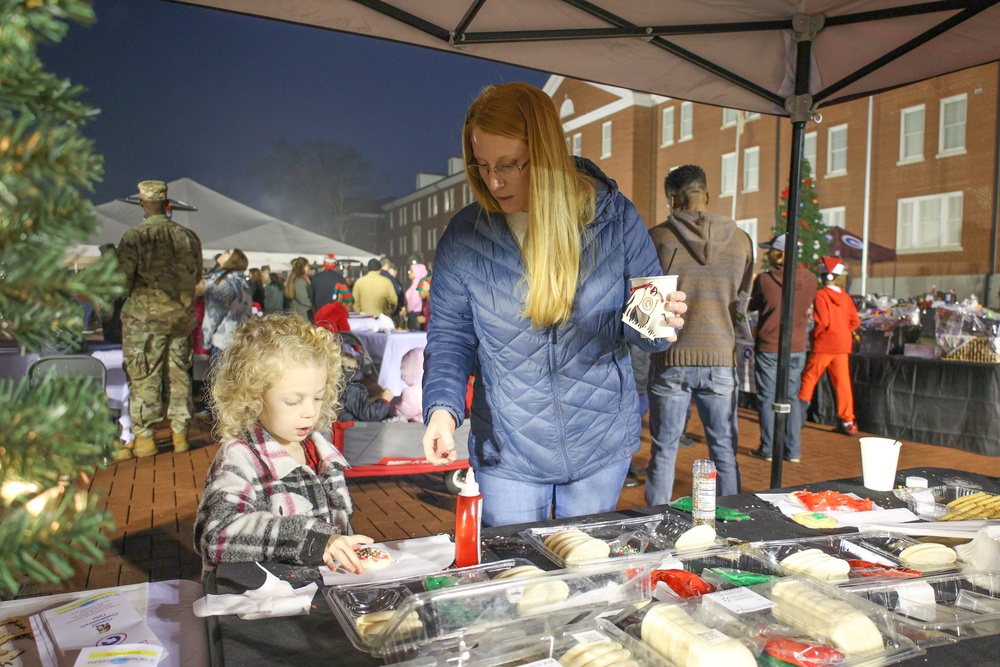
(223, 223)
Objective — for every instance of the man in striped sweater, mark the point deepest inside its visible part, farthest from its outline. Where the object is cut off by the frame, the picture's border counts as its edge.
(713, 259)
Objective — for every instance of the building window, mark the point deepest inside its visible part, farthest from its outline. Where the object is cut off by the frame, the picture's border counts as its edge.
(392, 214)
(577, 144)
(833, 217)
(751, 169)
(432, 238)
(432, 206)
(667, 126)
(416, 211)
(809, 153)
(750, 227)
(749, 116)
(930, 223)
(729, 117)
(402, 245)
(416, 238)
(392, 244)
(466, 194)
(951, 129)
(449, 200)
(728, 175)
(911, 134)
(687, 121)
(566, 108)
(402, 216)
(836, 150)
(606, 139)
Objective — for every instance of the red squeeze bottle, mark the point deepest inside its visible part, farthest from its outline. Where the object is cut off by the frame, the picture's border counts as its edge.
(468, 523)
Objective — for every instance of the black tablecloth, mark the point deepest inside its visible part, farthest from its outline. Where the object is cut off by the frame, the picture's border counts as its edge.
(317, 639)
(948, 403)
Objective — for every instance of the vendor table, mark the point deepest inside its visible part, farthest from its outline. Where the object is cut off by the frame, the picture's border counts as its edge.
(317, 639)
(387, 350)
(948, 403)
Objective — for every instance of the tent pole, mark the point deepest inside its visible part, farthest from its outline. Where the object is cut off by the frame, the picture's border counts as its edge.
(994, 213)
(800, 110)
(868, 198)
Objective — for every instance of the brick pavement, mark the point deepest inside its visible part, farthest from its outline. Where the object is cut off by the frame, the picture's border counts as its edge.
(153, 500)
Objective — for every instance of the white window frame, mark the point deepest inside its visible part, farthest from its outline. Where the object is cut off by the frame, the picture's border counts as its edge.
(687, 119)
(805, 151)
(403, 216)
(466, 194)
(449, 200)
(749, 116)
(751, 175)
(749, 225)
(954, 150)
(432, 237)
(432, 206)
(830, 171)
(834, 216)
(729, 117)
(949, 228)
(728, 190)
(606, 139)
(908, 112)
(577, 144)
(667, 126)
(402, 245)
(416, 238)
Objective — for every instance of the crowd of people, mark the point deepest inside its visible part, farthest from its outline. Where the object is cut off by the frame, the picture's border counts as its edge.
(527, 298)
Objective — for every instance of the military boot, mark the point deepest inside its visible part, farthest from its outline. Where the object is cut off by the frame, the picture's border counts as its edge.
(181, 443)
(143, 446)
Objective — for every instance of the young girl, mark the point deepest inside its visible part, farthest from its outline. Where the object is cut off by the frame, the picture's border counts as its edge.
(276, 490)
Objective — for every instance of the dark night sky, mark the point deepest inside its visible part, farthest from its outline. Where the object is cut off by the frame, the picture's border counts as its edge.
(188, 91)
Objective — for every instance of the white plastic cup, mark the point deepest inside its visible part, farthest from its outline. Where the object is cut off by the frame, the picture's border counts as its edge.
(879, 457)
(646, 309)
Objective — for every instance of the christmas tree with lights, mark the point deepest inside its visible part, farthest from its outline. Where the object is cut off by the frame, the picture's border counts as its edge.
(53, 431)
(813, 244)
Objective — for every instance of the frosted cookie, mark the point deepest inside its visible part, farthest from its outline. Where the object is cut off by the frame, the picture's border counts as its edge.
(814, 520)
(373, 558)
(817, 564)
(699, 537)
(685, 642)
(927, 555)
(809, 610)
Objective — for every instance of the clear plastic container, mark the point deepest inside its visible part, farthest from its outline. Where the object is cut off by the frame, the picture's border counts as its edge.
(944, 607)
(722, 569)
(522, 646)
(792, 614)
(932, 503)
(626, 537)
(415, 615)
(880, 548)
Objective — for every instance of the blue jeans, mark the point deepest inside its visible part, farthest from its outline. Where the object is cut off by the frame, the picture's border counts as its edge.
(509, 501)
(670, 392)
(765, 372)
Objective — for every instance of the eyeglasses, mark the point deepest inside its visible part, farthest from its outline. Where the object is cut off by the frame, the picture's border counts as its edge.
(501, 171)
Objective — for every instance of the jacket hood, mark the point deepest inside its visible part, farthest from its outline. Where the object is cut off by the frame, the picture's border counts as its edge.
(700, 232)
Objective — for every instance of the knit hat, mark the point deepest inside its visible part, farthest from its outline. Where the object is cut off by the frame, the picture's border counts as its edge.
(833, 266)
(330, 262)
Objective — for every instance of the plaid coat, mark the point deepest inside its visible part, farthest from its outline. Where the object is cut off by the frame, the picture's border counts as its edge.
(260, 504)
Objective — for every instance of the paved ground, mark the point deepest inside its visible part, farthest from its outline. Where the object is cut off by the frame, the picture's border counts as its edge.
(153, 500)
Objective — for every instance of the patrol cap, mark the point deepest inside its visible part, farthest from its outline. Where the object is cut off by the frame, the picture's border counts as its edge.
(152, 190)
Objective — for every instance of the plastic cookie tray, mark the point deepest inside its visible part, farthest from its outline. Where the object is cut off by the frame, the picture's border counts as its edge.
(941, 607)
(881, 549)
(715, 570)
(564, 646)
(932, 503)
(457, 607)
(761, 624)
(626, 537)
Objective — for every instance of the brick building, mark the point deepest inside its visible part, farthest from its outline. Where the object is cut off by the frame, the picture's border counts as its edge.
(931, 191)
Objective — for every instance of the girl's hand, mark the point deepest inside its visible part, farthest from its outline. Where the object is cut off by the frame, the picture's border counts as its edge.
(341, 548)
(439, 440)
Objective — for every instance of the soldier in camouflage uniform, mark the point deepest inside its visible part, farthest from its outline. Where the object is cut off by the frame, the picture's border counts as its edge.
(162, 264)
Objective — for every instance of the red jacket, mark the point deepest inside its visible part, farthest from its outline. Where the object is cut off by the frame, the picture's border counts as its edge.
(332, 316)
(836, 317)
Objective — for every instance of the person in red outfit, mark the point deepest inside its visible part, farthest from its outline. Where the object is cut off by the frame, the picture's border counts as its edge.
(836, 319)
(332, 317)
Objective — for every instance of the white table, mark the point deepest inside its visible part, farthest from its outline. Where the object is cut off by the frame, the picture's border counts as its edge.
(165, 605)
(390, 348)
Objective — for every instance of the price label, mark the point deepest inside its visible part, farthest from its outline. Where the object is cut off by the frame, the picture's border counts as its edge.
(544, 662)
(589, 637)
(713, 636)
(741, 600)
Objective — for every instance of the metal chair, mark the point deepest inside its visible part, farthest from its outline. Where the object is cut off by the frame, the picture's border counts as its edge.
(82, 365)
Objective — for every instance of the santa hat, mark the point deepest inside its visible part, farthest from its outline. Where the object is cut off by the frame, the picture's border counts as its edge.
(834, 266)
(330, 262)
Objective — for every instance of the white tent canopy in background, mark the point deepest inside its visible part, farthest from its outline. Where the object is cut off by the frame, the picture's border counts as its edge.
(223, 223)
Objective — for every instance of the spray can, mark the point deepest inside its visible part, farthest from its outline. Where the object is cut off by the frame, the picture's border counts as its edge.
(703, 478)
(468, 522)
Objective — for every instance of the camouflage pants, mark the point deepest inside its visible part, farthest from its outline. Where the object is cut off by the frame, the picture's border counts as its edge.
(149, 360)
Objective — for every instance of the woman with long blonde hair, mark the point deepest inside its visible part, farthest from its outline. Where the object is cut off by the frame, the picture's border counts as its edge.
(530, 282)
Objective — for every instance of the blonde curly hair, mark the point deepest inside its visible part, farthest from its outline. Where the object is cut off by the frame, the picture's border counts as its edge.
(263, 349)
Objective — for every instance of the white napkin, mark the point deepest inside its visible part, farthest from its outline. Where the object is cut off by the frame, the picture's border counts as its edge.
(790, 508)
(274, 598)
(420, 555)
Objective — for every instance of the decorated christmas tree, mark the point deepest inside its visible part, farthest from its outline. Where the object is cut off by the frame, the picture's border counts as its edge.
(813, 244)
(53, 431)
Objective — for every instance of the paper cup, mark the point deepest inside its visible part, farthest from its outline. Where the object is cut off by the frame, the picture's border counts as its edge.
(646, 309)
(879, 457)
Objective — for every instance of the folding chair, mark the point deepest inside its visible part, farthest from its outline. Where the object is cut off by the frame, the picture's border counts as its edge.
(82, 365)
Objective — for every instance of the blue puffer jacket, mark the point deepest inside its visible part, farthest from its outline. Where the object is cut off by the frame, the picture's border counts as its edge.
(550, 405)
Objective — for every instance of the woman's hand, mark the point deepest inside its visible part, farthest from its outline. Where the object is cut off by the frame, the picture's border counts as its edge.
(676, 305)
(340, 549)
(439, 440)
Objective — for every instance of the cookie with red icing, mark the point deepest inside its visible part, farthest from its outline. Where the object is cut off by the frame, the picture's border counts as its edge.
(373, 558)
